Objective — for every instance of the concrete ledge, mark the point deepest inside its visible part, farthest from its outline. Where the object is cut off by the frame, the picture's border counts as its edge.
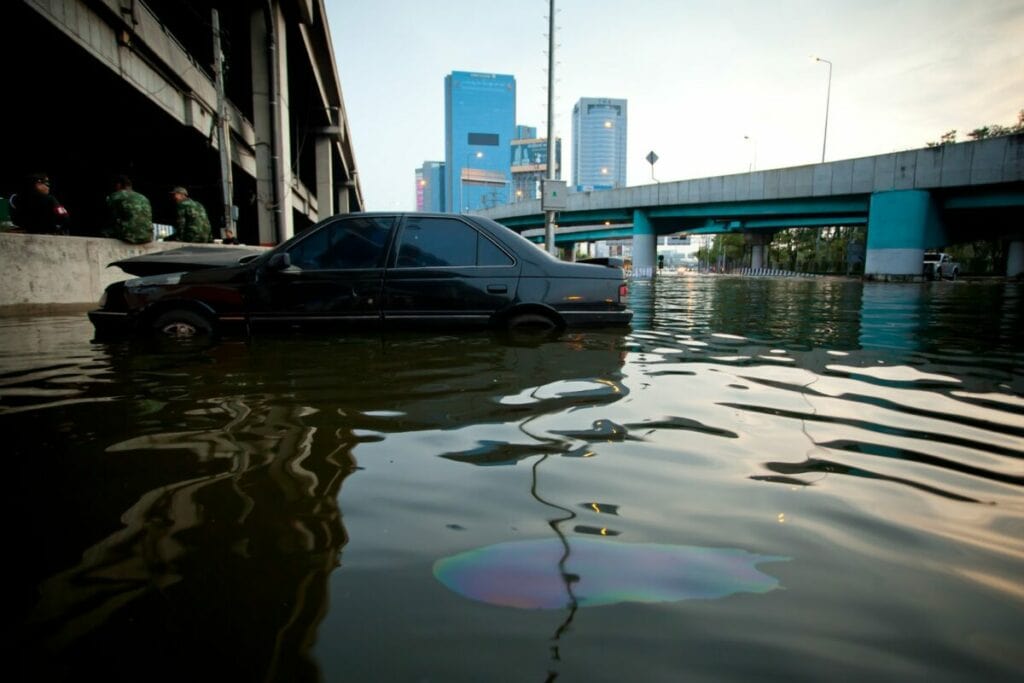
(46, 272)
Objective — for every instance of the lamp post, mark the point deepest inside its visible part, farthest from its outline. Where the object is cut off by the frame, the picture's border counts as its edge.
(828, 96)
(752, 166)
(549, 214)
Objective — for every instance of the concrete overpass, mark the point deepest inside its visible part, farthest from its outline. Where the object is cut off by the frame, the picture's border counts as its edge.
(94, 88)
(910, 201)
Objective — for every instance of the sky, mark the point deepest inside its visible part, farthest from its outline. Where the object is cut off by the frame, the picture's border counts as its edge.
(714, 87)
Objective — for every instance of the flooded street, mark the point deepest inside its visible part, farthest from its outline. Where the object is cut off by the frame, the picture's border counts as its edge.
(762, 479)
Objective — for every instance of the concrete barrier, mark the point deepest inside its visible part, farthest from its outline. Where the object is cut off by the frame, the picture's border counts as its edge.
(46, 271)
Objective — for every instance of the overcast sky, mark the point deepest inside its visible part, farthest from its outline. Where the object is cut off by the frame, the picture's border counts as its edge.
(699, 75)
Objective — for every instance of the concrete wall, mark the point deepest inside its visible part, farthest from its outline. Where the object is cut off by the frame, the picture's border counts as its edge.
(39, 271)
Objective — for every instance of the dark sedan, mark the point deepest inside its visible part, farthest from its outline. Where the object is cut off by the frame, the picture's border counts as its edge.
(374, 270)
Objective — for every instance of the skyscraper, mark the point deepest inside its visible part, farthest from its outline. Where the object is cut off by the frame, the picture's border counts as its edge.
(480, 112)
(430, 187)
(599, 144)
(530, 163)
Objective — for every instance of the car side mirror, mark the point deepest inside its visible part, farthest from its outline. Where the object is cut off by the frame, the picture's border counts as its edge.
(279, 261)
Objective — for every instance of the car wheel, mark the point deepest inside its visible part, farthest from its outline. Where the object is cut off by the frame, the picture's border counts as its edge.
(531, 321)
(954, 275)
(182, 325)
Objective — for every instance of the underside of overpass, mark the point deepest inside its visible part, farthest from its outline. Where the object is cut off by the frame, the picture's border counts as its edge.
(97, 88)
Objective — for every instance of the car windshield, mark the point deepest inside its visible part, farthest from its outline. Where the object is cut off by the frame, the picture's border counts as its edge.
(931, 257)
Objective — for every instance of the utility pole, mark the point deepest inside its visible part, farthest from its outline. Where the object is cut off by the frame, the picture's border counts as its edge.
(549, 214)
(223, 128)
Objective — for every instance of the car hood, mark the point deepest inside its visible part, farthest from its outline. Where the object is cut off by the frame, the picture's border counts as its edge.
(186, 259)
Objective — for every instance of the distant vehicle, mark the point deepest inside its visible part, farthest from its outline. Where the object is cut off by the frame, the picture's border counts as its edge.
(939, 265)
(367, 271)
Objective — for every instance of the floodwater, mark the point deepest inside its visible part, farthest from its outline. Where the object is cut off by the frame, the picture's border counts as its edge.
(796, 480)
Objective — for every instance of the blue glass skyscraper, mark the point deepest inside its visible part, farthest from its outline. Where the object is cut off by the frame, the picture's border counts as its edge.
(480, 113)
(599, 144)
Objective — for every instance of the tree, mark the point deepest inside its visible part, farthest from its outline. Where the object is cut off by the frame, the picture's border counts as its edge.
(994, 130)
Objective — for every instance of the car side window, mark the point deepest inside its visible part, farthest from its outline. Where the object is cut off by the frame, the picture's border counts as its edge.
(346, 244)
(440, 242)
(488, 254)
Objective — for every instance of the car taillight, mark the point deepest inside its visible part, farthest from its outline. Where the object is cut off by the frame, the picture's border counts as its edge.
(623, 291)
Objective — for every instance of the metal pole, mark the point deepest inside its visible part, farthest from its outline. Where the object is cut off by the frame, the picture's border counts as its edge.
(223, 128)
(549, 216)
(828, 97)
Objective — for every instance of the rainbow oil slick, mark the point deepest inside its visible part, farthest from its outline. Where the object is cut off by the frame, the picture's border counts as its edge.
(550, 574)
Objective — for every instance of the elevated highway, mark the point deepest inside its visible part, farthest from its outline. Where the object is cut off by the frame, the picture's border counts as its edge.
(95, 88)
(910, 201)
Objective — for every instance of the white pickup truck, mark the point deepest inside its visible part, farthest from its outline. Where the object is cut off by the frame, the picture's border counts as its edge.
(938, 266)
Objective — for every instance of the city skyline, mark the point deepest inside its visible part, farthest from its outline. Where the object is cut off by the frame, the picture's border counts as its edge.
(711, 87)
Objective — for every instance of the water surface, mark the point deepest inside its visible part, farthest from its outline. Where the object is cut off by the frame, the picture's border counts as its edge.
(781, 479)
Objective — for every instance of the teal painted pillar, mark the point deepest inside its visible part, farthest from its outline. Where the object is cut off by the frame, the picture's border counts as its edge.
(1015, 259)
(901, 225)
(645, 246)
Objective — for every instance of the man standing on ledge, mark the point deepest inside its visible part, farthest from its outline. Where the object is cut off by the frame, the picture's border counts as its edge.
(130, 212)
(192, 224)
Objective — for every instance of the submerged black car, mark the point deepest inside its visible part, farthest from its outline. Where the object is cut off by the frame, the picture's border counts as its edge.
(365, 271)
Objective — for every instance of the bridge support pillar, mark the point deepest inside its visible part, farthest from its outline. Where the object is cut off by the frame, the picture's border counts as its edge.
(759, 242)
(271, 123)
(570, 252)
(1015, 259)
(645, 246)
(324, 178)
(901, 224)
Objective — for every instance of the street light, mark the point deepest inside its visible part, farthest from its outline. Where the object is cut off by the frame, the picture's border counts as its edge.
(828, 96)
(752, 166)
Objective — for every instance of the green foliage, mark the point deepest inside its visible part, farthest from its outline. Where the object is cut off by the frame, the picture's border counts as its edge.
(991, 131)
(984, 257)
(835, 249)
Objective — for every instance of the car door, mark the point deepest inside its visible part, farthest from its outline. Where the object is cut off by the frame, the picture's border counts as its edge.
(331, 277)
(446, 272)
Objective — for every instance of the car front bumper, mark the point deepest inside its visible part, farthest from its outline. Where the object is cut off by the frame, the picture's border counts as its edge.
(111, 323)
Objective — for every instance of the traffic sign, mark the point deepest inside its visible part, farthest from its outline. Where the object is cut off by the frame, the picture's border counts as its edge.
(555, 196)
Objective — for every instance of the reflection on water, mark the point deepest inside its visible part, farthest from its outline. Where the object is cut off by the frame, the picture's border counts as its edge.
(181, 511)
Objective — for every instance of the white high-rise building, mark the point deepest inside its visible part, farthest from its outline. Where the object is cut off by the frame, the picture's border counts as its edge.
(599, 144)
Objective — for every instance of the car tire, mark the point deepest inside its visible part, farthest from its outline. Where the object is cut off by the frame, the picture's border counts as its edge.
(953, 276)
(182, 325)
(531, 321)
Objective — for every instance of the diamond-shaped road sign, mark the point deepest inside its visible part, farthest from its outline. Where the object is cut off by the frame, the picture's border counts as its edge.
(651, 157)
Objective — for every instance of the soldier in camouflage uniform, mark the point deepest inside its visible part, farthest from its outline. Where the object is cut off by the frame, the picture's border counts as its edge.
(131, 213)
(192, 224)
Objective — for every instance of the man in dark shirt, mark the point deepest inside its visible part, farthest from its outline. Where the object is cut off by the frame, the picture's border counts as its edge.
(37, 211)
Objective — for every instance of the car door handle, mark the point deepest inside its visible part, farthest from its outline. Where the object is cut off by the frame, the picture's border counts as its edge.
(497, 289)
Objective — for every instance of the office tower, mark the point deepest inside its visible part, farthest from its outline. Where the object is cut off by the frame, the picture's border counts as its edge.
(480, 112)
(419, 189)
(430, 187)
(598, 144)
(530, 163)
